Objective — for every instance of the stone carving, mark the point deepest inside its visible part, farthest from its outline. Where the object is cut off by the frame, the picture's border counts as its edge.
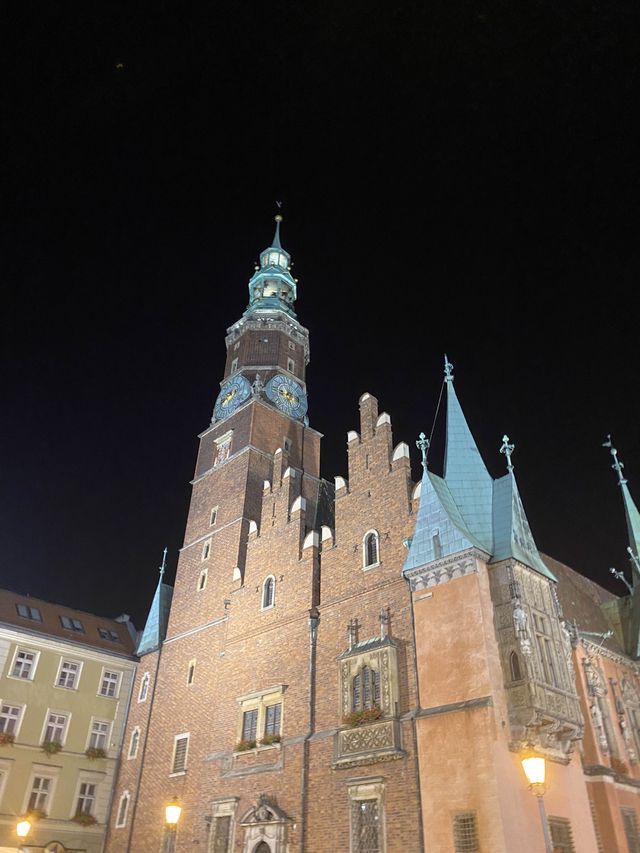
(364, 738)
(443, 571)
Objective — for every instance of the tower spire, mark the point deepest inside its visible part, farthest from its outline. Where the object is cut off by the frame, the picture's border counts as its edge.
(631, 513)
(272, 287)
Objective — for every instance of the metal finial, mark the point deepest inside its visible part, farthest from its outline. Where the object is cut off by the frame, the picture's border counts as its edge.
(617, 464)
(507, 449)
(448, 369)
(619, 576)
(423, 445)
(634, 560)
(276, 237)
(164, 562)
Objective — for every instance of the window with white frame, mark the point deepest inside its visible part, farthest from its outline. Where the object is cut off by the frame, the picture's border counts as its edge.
(144, 688)
(68, 675)
(123, 808)
(72, 624)
(367, 832)
(370, 549)
(191, 671)
(108, 634)
(134, 742)
(206, 549)
(55, 728)
(86, 798)
(40, 794)
(268, 592)
(180, 750)
(99, 735)
(214, 516)
(561, 835)
(24, 665)
(202, 580)
(109, 683)
(28, 612)
(9, 718)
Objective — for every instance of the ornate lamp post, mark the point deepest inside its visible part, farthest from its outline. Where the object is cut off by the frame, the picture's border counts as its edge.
(172, 812)
(23, 827)
(534, 769)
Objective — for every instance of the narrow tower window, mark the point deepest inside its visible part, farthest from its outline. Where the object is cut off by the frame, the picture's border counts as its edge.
(269, 592)
(514, 663)
(370, 549)
(437, 545)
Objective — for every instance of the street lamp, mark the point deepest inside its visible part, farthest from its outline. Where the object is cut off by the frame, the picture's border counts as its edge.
(534, 769)
(23, 827)
(172, 812)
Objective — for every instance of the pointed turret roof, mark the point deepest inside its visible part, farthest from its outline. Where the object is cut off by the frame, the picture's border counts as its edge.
(272, 287)
(468, 508)
(465, 473)
(631, 513)
(155, 628)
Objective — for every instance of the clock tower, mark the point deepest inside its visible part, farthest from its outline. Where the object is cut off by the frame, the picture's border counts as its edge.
(267, 349)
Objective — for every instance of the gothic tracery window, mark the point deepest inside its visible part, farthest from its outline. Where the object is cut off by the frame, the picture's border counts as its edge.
(365, 689)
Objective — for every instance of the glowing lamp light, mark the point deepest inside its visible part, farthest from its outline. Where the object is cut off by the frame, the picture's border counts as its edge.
(172, 812)
(23, 828)
(534, 769)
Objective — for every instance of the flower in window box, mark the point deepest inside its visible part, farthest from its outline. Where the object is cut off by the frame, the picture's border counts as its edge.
(84, 818)
(267, 740)
(359, 718)
(94, 752)
(245, 745)
(34, 815)
(7, 738)
(51, 746)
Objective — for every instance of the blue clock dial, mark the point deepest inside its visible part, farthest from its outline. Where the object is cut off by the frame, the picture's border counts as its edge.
(287, 395)
(234, 392)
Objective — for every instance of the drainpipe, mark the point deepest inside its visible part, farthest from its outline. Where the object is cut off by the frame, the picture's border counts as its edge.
(314, 619)
(414, 728)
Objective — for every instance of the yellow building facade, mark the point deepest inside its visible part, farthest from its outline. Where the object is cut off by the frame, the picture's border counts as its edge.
(65, 683)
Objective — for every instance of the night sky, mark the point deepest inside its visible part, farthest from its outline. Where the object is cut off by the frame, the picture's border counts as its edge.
(454, 177)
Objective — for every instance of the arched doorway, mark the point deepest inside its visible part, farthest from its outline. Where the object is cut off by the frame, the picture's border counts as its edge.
(263, 847)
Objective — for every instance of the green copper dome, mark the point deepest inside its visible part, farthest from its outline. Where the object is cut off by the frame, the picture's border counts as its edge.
(272, 287)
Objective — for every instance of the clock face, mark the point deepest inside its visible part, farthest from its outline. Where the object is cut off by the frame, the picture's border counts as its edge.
(232, 394)
(287, 395)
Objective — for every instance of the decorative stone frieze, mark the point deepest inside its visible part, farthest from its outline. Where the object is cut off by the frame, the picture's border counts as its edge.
(445, 570)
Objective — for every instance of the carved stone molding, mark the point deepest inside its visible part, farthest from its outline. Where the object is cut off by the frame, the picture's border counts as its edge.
(445, 570)
(368, 744)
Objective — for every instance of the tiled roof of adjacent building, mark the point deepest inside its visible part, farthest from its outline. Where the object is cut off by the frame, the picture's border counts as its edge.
(56, 620)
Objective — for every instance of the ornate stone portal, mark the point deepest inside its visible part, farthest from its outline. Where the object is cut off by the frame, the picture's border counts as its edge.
(265, 827)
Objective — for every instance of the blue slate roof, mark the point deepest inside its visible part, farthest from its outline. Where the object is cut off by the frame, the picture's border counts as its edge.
(467, 508)
(155, 628)
(465, 473)
(633, 525)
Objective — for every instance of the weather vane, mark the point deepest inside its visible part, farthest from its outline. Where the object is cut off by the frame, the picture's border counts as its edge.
(507, 449)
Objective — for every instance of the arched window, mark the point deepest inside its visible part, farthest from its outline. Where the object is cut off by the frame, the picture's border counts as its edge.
(133, 743)
(202, 580)
(144, 688)
(269, 592)
(514, 663)
(123, 808)
(365, 689)
(370, 549)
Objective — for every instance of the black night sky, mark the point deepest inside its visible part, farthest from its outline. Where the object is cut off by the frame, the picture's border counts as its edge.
(455, 177)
